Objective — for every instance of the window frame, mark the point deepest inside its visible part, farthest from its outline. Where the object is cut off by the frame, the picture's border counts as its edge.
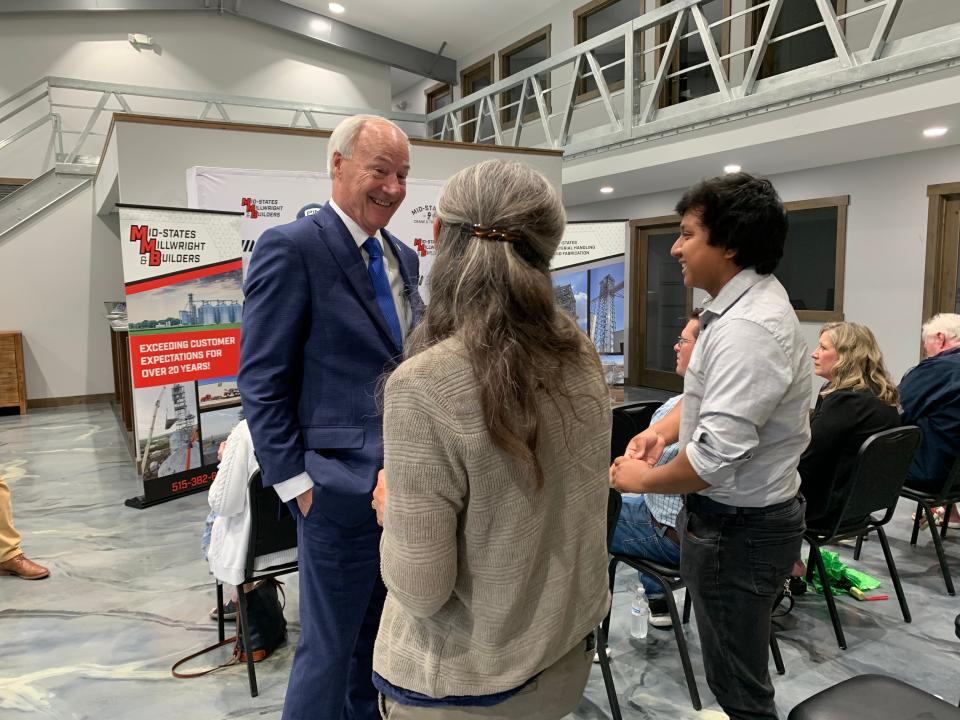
(580, 16)
(670, 92)
(940, 263)
(431, 94)
(840, 202)
(753, 32)
(469, 114)
(504, 57)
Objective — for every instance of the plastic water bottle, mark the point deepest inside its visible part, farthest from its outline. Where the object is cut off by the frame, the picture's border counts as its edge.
(639, 614)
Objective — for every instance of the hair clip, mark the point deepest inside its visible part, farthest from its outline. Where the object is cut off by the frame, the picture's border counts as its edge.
(486, 233)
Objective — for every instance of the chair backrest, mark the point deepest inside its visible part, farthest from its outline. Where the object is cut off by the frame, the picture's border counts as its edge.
(272, 528)
(629, 420)
(614, 504)
(878, 475)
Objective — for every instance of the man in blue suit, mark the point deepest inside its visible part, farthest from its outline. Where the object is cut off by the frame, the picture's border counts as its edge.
(329, 300)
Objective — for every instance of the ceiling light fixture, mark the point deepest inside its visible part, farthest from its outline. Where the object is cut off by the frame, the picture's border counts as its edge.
(935, 132)
(606, 189)
(336, 8)
(730, 169)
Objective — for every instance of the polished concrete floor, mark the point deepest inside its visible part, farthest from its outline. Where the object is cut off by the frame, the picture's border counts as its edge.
(129, 595)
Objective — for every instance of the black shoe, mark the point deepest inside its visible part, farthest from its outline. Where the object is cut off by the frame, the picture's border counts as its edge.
(660, 614)
(229, 611)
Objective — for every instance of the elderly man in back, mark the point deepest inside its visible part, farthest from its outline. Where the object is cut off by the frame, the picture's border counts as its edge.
(930, 396)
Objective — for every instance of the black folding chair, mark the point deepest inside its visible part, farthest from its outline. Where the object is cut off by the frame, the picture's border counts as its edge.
(877, 697)
(629, 420)
(670, 580)
(272, 530)
(874, 486)
(946, 496)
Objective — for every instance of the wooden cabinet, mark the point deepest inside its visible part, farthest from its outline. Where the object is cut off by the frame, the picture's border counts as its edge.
(13, 387)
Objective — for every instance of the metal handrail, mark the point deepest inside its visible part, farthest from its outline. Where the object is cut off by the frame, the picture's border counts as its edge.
(634, 112)
(88, 143)
(619, 115)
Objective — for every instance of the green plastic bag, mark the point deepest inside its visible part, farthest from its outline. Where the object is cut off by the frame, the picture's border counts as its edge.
(842, 577)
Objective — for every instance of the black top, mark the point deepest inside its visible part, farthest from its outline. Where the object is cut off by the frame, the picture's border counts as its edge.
(841, 422)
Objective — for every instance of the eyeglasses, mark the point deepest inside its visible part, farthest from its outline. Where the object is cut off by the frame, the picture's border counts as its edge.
(681, 341)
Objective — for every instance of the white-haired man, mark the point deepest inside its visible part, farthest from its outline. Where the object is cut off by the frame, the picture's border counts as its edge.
(329, 299)
(930, 397)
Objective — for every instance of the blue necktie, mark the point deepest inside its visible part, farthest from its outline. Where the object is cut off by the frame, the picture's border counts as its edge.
(381, 288)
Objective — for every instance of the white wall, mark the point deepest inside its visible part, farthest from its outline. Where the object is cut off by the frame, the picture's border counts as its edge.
(58, 269)
(196, 51)
(886, 237)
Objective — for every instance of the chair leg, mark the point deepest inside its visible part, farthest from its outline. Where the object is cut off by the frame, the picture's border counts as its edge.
(894, 575)
(810, 565)
(220, 629)
(682, 645)
(241, 627)
(686, 606)
(607, 675)
(828, 594)
(921, 509)
(612, 576)
(859, 547)
(938, 544)
(775, 651)
(947, 512)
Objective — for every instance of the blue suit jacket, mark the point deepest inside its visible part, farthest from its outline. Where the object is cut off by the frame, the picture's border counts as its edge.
(313, 348)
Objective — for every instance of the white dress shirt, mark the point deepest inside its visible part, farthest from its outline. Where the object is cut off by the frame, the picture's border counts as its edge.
(746, 395)
(298, 484)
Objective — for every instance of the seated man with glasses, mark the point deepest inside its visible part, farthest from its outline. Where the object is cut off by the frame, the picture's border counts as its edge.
(647, 524)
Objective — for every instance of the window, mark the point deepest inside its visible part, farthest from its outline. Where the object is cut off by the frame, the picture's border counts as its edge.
(941, 288)
(659, 304)
(811, 269)
(474, 78)
(803, 49)
(437, 97)
(690, 52)
(516, 58)
(593, 19)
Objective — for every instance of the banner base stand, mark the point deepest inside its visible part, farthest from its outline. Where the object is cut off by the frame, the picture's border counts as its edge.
(141, 502)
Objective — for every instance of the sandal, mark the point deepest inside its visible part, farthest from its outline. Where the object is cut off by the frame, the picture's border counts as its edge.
(938, 514)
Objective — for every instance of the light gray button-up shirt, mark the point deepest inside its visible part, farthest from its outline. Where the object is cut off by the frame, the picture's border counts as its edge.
(746, 394)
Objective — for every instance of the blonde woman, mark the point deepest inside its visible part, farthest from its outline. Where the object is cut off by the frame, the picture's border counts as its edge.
(858, 399)
(496, 447)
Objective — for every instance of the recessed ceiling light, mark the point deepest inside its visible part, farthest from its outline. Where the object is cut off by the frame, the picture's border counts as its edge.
(336, 8)
(729, 169)
(932, 132)
(606, 189)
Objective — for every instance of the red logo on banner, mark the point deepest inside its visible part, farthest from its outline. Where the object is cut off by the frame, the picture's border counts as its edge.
(176, 357)
(421, 248)
(250, 207)
(148, 245)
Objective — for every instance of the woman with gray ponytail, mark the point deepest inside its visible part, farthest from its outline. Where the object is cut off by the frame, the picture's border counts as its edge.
(494, 489)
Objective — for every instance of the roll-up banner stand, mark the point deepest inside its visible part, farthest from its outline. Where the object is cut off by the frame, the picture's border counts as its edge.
(183, 279)
(273, 197)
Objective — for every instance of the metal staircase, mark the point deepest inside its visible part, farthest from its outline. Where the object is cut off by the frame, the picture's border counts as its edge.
(44, 192)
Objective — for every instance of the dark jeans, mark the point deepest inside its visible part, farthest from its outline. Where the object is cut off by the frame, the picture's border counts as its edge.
(734, 565)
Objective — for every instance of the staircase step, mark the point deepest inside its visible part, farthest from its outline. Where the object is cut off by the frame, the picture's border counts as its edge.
(42, 193)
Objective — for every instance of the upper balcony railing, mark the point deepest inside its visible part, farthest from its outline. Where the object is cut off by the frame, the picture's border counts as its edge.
(687, 65)
(694, 63)
(76, 114)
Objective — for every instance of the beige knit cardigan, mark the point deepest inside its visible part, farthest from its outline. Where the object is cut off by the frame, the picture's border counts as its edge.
(489, 579)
